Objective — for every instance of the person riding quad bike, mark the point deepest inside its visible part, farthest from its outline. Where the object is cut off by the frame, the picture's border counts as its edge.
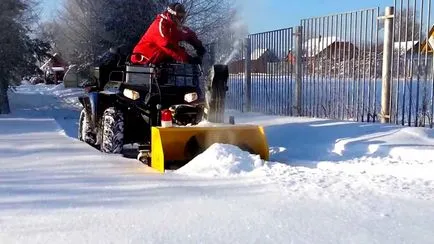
(160, 43)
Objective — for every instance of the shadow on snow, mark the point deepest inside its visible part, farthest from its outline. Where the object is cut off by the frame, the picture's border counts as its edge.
(306, 144)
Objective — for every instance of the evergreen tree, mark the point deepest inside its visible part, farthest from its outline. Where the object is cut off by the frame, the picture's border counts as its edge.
(18, 50)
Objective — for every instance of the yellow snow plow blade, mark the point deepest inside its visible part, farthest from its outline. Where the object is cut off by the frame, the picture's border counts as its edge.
(173, 147)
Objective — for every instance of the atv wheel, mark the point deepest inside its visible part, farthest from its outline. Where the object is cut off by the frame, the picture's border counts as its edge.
(144, 157)
(84, 129)
(112, 131)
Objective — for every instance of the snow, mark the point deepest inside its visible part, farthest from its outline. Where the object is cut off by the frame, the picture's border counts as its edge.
(326, 182)
(221, 160)
(403, 47)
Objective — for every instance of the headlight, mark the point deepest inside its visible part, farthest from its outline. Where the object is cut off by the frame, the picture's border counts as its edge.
(191, 97)
(131, 94)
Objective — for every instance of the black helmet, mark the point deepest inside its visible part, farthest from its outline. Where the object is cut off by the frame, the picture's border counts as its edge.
(177, 11)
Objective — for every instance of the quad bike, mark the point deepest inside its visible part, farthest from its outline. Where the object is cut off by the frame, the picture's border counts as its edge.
(160, 108)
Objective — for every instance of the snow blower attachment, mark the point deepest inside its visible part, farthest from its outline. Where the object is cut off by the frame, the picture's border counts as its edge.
(173, 147)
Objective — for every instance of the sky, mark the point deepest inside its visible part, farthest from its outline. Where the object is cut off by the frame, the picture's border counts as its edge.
(48, 8)
(265, 15)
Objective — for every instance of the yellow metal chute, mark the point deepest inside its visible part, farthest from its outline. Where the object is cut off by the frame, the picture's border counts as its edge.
(173, 147)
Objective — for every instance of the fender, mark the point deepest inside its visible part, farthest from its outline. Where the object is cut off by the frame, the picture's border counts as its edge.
(90, 104)
(95, 103)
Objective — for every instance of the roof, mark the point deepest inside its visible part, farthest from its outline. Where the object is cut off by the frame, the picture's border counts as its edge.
(404, 47)
(58, 69)
(55, 58)
(259, 52)
(314, 46)
(46, 65)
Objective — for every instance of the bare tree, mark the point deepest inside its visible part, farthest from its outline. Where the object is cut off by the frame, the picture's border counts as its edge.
(406, 25)
(78, 32)
(86, 28)
(210, 18)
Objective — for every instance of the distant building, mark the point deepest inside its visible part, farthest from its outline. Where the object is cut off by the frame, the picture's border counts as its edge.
(407, 49)
(259, 59)
(54, 68)
(427, 45)
(290, 57)
(328, 47)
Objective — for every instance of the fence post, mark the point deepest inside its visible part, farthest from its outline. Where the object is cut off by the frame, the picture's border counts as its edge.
(298, 69)
(248, 75)
(387, 61)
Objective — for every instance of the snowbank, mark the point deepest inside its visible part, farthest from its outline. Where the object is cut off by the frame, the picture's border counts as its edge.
(67, 96)
(399, 143)
(347, 178)
(221, 160)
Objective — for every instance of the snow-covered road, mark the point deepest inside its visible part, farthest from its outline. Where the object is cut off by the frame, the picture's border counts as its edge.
(328, 182)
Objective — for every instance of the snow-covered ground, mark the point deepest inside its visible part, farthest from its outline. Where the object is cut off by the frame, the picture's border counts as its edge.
(326, 182)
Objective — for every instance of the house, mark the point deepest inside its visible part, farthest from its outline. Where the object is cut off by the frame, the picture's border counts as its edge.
(328, 47)
(407, 48)
(290, 57)
(408, 53)
(259, 59)
(54, 68)
(427, 45)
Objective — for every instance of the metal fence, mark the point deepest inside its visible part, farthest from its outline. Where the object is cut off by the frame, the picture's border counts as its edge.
(412, 70)
(365, 65)
(271, 74)
(269, 71)
(340, 66)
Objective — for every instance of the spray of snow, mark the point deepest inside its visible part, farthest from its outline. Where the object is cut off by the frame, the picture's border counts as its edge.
(235, 50)
(238, 28)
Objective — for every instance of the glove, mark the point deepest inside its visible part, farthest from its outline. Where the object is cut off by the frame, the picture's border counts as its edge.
(200, 51)
(194, 60)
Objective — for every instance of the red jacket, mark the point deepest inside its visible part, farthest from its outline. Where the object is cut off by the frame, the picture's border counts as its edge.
(161, 41)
